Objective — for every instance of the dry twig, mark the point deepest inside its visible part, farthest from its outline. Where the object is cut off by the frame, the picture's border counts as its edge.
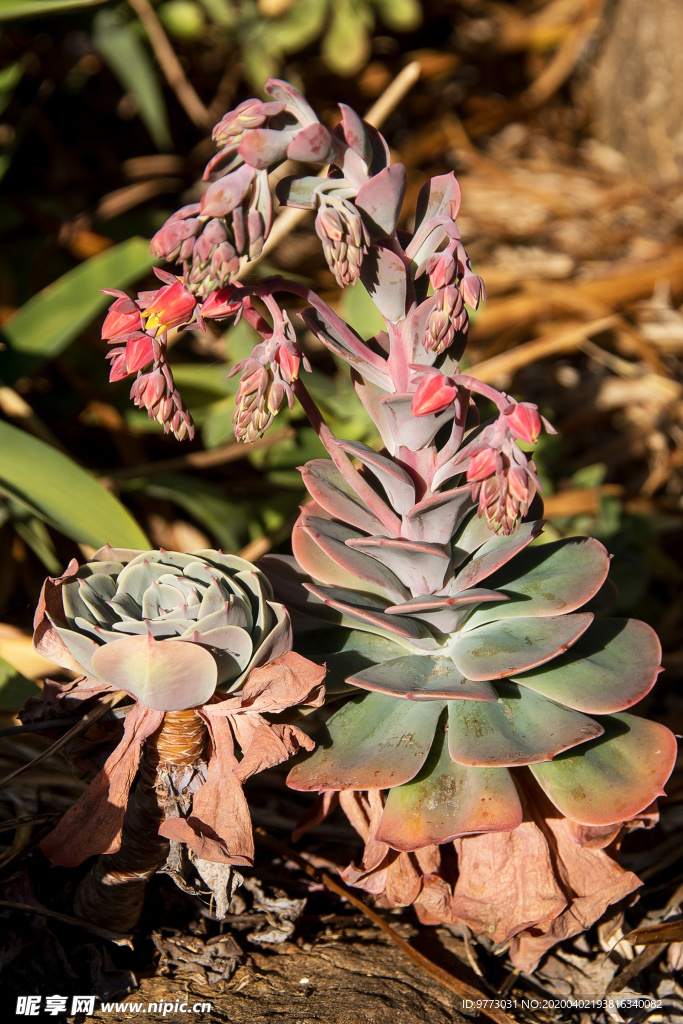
(171, 66)
(75, 922)
(108, 701)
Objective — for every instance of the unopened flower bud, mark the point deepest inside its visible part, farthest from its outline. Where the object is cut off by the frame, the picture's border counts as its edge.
(156, 392)
(441, 269)
(172, 240)
(340, 228)
(524, 421)
(434, 394)
(482, 465)
(473, 290)
(134, 355)
(504, 482)
(123, 318)
(447, 316)
(223, 302)
(250, 114)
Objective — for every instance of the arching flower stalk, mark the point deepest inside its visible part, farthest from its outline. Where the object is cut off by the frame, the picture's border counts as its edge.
(201, 652)
(484, 715)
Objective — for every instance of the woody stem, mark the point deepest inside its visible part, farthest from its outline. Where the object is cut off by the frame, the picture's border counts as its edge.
(112, 893)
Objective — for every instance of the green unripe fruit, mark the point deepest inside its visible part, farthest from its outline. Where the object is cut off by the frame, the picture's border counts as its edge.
(182, 19)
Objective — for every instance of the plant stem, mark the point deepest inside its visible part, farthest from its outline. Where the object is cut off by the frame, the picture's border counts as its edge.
(112, 893)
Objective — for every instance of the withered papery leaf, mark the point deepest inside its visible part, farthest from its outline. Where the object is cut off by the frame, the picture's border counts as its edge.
(283, 683)
(506, 883)
(219, 827)
(93, 824)
(404, 880)
(46, 640)
(364, 810)
(271, 744)
(594, 880)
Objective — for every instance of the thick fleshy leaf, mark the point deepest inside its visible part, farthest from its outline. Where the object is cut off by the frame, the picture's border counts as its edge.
(228, 192)
(471, 535)
(612, 666)
(340, 339)
(447, 800)
(373, 742)
(262, 147)
(381, 200)
(446, 613)
(317, 564)
(435, 519)
(327, 486)
(547, 580)
(613, 778)
(356, 132)
(503, 648)
(521, 727)
(321, 567)
(384, 275)
(418, 565)
(369, 612)
(419, 677)
(314, 143)
(441, 194)
(166, 675)
(331, 538)
(414, 432)
(494, 554)
(398, 485)
(297, 191)
(344, 652)
(80, 648)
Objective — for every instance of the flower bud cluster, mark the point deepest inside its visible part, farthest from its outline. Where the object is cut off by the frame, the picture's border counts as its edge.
(344, 238)
(267, 376)
(131, 325)
(504, 483)
(454, 283)
(137, 328)
(156, 392)
(232, 220)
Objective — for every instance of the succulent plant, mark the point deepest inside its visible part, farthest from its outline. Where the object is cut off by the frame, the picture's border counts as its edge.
(194, 623)
(485, 704)
(204, 652)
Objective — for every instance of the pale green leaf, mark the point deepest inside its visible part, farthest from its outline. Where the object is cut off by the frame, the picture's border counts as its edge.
(346, 46)
(15, 9)
(120, 46)
(360, 311)
(302, 23)
(58, 491)
(221, 12)
(400, 15)
(15, 689)
(50, 320)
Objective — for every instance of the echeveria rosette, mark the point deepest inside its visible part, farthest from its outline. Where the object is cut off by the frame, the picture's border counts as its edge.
(176, 631)
(481, 678)
(167, 627)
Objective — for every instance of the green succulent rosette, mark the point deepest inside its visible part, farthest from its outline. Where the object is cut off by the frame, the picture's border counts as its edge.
(468, 656)
(169, 628)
